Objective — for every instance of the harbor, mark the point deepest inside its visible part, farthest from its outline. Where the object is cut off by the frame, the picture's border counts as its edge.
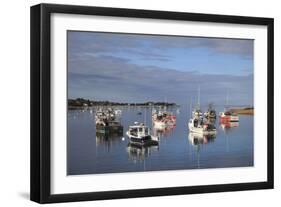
(148, 102)
(149, 138)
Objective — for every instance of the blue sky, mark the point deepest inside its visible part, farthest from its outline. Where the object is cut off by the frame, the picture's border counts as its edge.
(138, 68)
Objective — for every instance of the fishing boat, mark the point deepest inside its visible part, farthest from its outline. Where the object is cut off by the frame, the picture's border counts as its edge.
(210, 113)
(106, 122)
(162, 119)
(197, 113)
(197, 123)
(139, 133)
(228, 116)
(201, 127)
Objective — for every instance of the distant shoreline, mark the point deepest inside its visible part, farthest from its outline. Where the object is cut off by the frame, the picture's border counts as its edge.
(81, 103)
(243, 111)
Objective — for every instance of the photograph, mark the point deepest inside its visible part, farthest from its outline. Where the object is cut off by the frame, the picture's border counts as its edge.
(150, 102)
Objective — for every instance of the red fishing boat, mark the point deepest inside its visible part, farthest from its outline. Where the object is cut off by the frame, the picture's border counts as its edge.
(228, 116)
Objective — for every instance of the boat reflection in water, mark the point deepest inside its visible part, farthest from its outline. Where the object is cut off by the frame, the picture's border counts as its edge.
(211, 120)
(139, 152)
(107, 140)
(198, 140)
(226, 126)
(164, 131)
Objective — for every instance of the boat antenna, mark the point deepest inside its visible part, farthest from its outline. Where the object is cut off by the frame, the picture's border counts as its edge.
(165, 103)
(227, 97)
(144, 116)
(198, 97)
(190, 107)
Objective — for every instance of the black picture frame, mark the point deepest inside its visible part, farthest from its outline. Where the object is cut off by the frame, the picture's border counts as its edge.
(41, 98)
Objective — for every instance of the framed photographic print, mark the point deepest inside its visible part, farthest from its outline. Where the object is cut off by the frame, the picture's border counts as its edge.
(132, 103)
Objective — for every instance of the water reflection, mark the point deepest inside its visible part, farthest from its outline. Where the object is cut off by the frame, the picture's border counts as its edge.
(199, 139)
(211, 120)
(92, 152)
(226, 126)
(163, 131)
(139, 152)
(108, 140)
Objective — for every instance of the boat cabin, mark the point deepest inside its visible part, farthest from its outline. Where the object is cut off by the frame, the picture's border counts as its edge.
(139, 130)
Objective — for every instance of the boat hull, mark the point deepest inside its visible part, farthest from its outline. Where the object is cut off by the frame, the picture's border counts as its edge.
(144, 143)
(142, 140)
(201, 130)
(229, 119)
(163, 125)
(109, 129)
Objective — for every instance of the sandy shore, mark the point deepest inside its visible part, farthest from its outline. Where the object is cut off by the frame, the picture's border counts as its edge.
(244, 111)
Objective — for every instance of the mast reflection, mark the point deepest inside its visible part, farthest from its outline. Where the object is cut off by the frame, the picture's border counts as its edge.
(107, 140)
(198, 140)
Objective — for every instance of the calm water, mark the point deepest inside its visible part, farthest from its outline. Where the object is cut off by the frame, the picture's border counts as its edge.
(90, 153)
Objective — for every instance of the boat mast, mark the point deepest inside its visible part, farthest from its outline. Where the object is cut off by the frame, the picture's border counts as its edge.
(198, 97)
(190, 108)
(144, 116)
(226, 104)
(227, 98)
(165, 104)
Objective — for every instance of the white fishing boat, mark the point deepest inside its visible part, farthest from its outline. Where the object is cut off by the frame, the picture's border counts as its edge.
(197, 113)
(199, 126)
(139, 133)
